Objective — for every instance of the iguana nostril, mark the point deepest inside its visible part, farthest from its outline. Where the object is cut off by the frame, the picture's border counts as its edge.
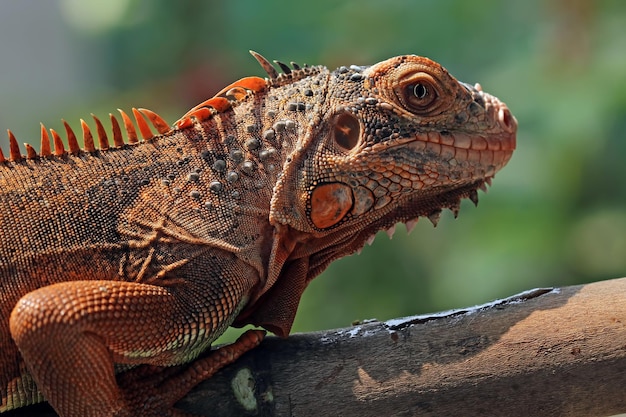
(507, 120)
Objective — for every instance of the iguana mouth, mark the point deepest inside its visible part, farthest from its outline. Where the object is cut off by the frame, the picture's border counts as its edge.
(489, 151)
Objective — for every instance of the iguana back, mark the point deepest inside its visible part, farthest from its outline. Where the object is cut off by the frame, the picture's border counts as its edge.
(144, 251)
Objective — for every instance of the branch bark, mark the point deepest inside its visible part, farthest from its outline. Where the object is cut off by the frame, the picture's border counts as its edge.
(546, 352)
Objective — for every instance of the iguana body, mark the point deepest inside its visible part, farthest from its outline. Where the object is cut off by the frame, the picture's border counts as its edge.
(144, 252)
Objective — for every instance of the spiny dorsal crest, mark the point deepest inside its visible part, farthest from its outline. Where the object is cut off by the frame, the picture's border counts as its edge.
(239, 90)
(222, 101)
(57, 148)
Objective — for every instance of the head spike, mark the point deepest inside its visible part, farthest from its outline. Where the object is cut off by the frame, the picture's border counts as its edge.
(87, 137)
(118, 141)
(31, 153)
(103, 140)
(283, 67)
(45, 149)
(295, 65)
(129, 126)
(266, 65)
(14, 148)
(144, 129)
(157, 121)
(2, 158)
(59, 149)
(71, 139)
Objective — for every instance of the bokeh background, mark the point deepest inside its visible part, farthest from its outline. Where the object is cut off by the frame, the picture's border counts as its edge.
(556, 215)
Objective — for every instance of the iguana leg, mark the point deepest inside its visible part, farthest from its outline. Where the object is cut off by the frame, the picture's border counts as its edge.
(71, 334)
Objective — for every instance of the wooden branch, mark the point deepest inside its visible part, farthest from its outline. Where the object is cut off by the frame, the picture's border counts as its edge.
(546, 352)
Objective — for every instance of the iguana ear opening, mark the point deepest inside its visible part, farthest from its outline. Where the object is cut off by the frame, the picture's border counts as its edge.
(346, 131)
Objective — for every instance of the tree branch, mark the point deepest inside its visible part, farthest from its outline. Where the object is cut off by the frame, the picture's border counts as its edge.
(546, 352)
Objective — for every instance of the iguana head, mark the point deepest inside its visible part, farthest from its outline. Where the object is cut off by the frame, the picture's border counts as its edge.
(398, 140)
(395, 141)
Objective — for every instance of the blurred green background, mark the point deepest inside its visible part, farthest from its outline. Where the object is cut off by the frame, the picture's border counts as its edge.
(556, 215)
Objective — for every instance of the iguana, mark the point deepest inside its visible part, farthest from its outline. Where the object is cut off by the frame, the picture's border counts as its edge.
(143, 251)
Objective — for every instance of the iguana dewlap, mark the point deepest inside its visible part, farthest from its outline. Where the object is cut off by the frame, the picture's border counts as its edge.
(144, 250)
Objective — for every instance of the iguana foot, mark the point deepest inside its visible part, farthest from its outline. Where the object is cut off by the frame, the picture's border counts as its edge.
(153, 389)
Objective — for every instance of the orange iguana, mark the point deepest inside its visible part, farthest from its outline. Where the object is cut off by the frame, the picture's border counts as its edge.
(143, 251)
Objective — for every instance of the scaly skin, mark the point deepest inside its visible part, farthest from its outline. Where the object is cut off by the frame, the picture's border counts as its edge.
(143, 253)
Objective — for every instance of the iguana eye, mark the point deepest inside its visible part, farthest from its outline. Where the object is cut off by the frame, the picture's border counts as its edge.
(418, 93)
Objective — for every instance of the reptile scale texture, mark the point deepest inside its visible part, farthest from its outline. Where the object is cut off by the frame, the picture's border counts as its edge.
(144, 250)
